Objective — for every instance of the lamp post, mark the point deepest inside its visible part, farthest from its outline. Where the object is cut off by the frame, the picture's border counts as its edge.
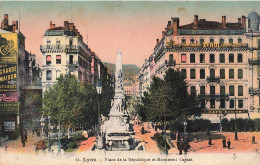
(235, 120)
(99, 91)
(185, 126)
(220, 112)
(49, 140)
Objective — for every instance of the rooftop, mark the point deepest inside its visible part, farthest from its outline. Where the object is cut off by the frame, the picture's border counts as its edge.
(211, 25)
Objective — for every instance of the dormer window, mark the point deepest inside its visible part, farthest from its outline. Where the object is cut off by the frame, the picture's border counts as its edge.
(48, 42)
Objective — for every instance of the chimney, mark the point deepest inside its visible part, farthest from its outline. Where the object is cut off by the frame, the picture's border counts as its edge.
(243, 22)
(175, 25)
(71, 25)
(4, 24)
(239, 20)
(52, 26)
(169, 25)
(66, 25)
(195, 23)
(224, 22)
(15, 26)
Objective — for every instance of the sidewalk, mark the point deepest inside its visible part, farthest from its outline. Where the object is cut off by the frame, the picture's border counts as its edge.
(15, 146)
(86, 145)
(150, 144)
(3, 139)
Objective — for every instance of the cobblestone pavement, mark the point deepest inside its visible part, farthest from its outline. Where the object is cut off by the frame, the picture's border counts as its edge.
(150, 144)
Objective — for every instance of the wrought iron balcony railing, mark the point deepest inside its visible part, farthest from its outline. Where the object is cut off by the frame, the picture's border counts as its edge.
(254, 91)
(170, 62)
(214, 96)
(254, 61)
(213, 79)
(47, 48)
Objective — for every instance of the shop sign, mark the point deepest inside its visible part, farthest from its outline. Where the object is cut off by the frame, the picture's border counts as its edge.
(9, 125)
(9, 108)
(8, 77)
(8, 48)
(224, 111)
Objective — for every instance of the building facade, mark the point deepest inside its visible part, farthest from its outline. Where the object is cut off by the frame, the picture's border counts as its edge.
(63, 52)
(15, 75)
(218, 61)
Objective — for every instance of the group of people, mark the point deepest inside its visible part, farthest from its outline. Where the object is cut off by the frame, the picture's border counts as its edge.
(183, 145)
(226, 144)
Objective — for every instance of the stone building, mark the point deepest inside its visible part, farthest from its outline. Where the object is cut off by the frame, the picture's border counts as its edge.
(253, 35)
(215, 60)
(63, 52)
(16, 70)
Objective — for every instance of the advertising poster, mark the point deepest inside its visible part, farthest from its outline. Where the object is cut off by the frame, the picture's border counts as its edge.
(9, 126)
(9, 48)
(8, 77)
(130, 82)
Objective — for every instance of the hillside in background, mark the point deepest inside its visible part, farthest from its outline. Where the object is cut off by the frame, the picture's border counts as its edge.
(130, 71)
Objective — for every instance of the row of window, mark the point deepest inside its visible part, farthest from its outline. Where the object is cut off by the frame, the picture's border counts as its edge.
(49, 74)
(222, 90)
(58, 59)
(222, 103)
(222, 74)
(221, 41)
(58, 42)
(212, 58)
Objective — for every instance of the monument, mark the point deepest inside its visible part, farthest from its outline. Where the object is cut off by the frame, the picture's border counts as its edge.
(116, 133)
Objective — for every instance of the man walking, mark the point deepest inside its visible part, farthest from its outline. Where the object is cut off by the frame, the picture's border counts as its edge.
(224, 142)
(228, 143)
(210, 141)
(253, 140)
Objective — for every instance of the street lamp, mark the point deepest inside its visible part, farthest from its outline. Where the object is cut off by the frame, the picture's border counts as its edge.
(99, 91)
(235, 120)
(185, 126)
(49, 127)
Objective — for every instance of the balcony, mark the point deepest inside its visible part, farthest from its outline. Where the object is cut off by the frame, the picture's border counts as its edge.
(216, 96)
(213, 79)
(170, 62)
(254, 91)
(254, 61)
(59, 48)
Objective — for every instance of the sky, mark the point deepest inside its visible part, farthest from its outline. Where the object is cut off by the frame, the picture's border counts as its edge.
(106, 27)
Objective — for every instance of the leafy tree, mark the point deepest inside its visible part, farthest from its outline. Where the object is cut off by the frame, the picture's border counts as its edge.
(169, 100)
(71, 103)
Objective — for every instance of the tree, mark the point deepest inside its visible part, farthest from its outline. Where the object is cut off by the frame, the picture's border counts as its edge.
(168, 99)
(71, 103)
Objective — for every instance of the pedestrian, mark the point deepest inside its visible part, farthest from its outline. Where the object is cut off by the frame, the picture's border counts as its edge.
(186, 147)
(180, 146)
(228, 143)
(253, 140)
(23, 141)
(224, 142)
(6, 148)
(210, 141)
(25, 134)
